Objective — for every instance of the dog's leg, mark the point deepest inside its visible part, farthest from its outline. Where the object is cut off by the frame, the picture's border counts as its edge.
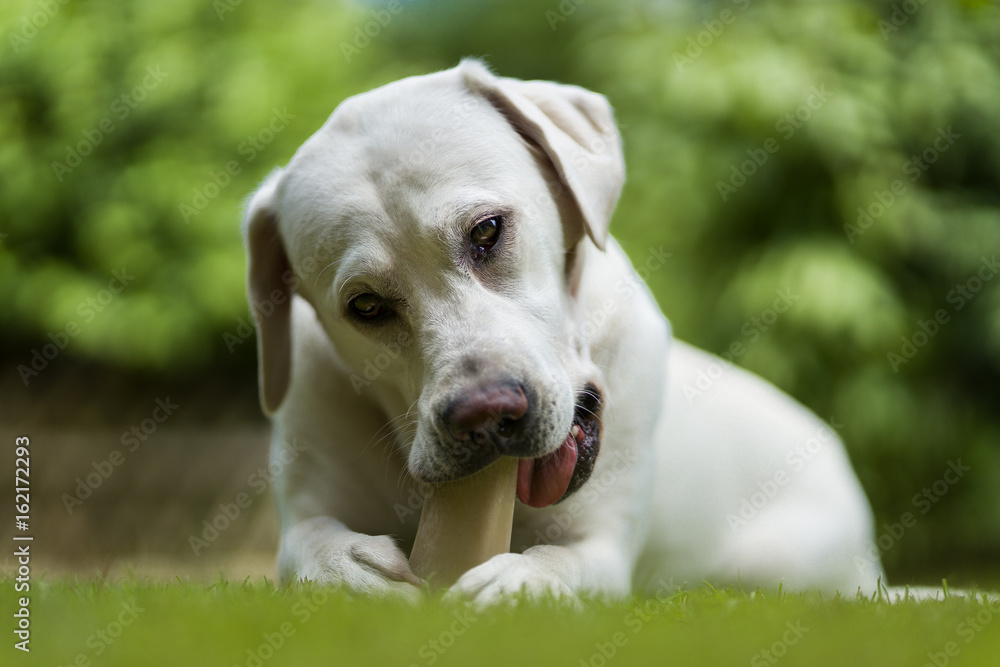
(595, 565)
(323, 550)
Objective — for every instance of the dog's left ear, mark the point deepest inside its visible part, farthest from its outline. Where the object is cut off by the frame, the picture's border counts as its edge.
(576, 129)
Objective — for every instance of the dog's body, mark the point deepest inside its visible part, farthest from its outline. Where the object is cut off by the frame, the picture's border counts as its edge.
(435, 287)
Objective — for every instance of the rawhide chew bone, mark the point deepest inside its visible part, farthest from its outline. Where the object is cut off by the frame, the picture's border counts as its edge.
(465, 523)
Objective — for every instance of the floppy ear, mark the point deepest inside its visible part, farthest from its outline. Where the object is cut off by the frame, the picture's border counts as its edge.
(269, 291)
(576, 129)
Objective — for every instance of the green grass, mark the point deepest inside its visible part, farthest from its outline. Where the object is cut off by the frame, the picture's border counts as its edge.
(227, 624)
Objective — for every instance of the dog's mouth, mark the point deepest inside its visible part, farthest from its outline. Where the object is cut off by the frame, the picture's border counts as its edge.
(548, 479)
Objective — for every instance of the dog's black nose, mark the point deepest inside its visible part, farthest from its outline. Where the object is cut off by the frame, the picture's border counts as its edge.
(488, 412)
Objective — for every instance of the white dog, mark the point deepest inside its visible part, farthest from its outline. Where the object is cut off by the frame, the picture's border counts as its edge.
(435, 287)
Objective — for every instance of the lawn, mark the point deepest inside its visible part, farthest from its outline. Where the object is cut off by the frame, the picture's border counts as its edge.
(253, 624)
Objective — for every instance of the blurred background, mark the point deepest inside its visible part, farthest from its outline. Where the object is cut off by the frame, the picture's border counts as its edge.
(843, 154)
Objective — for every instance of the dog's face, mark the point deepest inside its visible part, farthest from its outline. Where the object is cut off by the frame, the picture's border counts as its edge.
(446, 212)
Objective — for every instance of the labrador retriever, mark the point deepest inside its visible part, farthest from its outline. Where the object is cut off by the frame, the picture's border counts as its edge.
(435, 287)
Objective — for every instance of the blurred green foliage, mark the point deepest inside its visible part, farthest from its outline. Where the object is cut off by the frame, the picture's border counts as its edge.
(847, 153)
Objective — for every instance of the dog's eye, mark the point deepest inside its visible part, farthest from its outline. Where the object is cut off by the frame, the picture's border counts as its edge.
(485, 235)
(369, 306)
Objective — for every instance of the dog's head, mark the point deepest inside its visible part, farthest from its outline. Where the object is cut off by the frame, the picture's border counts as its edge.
(436, 226)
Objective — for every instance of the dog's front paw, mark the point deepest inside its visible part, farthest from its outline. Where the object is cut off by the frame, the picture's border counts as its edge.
(366, 564)
(506, 577)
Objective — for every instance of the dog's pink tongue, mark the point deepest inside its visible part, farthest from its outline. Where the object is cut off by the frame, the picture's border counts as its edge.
(541, 482)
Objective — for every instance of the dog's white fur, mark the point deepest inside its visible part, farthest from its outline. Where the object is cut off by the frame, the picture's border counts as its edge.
(738, 485)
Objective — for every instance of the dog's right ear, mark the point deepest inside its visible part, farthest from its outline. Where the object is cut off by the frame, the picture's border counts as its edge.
(269, 290)
(576, 130)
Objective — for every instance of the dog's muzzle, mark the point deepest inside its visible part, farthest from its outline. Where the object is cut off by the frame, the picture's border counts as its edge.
(491, 420)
